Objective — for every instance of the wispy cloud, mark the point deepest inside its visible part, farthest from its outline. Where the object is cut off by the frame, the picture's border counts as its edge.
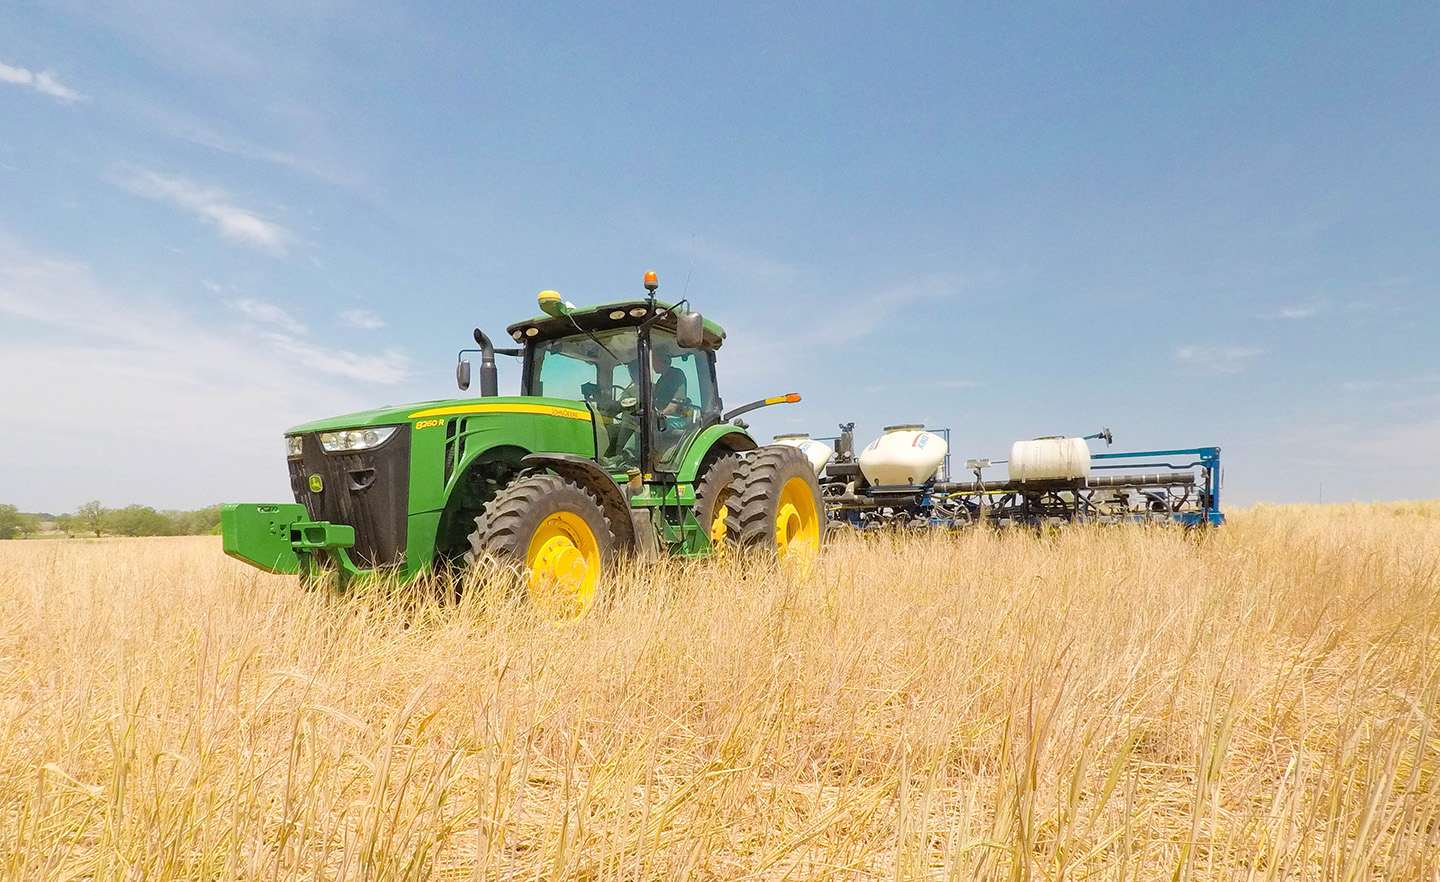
(1353, 386)
(755, 269)
(43, 82)
(210, 205)
(842, 320)
(1403, 385)
(386, 368)
(269, 313)
(934, 384)
(1292, 312)
(948, 384)
(764, 346)
(363, 319)
(315, 161)
(1391, 449)
(193, 410)
(1216, 359)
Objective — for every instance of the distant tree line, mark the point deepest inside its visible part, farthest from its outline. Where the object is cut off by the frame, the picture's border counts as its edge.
(94, 519)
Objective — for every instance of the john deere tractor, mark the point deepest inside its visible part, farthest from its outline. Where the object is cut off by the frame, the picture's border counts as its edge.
(618, 444)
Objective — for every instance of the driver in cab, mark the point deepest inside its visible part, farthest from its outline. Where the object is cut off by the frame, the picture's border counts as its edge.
(671, 394)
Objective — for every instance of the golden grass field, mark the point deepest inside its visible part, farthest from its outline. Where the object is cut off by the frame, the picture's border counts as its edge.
(1260, 703)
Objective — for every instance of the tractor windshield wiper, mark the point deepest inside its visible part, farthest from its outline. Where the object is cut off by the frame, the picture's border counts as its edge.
(587, 333)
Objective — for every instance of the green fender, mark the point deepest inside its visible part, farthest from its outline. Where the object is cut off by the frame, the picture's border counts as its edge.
(724, 435)
(517, 425)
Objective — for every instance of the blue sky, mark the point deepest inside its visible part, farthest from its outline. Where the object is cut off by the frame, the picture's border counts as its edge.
(1194, 223)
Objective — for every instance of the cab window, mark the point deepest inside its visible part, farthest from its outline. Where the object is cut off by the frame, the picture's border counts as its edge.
(581, 368)
(600, 369)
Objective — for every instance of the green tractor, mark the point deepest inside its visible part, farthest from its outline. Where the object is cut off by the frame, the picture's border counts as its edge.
(617, 445)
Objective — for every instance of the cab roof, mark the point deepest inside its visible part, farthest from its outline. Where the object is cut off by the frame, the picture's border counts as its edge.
(620, 314)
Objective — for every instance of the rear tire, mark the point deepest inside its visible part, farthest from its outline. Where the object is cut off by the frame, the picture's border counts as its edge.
(713, 497)
(556, 538)
(777, 505)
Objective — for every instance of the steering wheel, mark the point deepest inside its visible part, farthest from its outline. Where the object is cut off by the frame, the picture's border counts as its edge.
(609, 405)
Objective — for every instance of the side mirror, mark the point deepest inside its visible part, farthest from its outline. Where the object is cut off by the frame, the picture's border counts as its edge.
(462, 374)
(690, 330)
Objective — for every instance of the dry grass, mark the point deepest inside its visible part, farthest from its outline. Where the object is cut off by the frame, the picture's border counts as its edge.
(1126, 703)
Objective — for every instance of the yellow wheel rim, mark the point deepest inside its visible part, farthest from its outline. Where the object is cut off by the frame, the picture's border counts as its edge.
(563, 564)
(797, 525)
(718, 547)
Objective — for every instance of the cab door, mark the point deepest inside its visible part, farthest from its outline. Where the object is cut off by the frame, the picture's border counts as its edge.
(683, 397)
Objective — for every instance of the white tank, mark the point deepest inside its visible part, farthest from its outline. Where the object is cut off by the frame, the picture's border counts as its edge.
(818, 452)
(1050, 459)
(903, 455)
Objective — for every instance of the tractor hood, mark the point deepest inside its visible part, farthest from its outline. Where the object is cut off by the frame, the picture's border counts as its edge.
(400, 414)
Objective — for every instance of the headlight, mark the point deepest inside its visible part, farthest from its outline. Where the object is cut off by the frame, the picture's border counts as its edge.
(355, 439)
(293, 447)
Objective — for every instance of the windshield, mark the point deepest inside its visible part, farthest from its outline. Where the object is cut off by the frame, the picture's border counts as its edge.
(597, 370)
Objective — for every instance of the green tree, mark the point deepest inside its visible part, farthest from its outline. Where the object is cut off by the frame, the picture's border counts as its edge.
(132, 520)
(30, 523)
(138, 520)
(10, 522)
(91, 517)
(196, 523)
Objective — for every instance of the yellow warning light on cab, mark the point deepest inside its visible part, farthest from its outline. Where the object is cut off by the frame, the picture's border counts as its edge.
(652, 281)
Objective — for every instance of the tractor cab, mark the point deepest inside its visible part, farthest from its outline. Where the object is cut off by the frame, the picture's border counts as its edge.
(646, 368)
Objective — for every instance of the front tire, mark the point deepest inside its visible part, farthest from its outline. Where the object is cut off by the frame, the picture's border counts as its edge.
(555, 536)
(777, 504)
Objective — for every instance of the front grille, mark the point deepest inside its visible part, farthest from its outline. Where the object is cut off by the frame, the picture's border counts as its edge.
(368, 490)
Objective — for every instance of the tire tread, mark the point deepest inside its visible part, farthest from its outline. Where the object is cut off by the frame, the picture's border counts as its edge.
(750, 520)
(498, 532)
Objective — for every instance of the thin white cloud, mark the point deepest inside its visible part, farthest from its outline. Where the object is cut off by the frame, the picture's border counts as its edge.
(1293, 312)
(955, 384)
(766, 346)
(1389, 450)
(386, 368)
(314, 161)
(363, 319)
(210, 205)
(935, 384)
(43, 82)
(758, 271)
(1405, 385)
(269, 313)
(1359, 385)
(845, 320)
(192, 411)
(1216, 359)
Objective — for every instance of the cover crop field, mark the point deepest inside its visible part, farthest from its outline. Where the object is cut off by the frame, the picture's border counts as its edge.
(1260, 703)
